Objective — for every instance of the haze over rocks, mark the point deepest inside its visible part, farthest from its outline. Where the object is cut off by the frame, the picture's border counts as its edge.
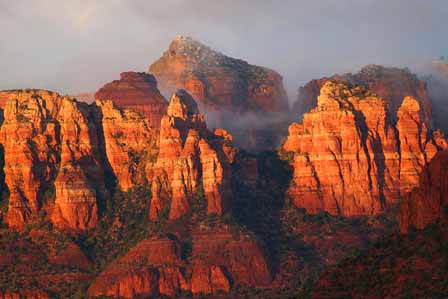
(228, 90)
(391, 84)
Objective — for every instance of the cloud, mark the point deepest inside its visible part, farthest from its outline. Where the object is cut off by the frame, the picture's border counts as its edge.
(79, 45)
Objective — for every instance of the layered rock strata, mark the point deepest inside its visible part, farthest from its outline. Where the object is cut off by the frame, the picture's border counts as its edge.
(130, 143)
(191, 161)
(156, 267)
(51, 160)
(348, 156)
(138, 92)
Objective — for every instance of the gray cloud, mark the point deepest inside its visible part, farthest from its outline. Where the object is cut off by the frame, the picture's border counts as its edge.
(73, 46)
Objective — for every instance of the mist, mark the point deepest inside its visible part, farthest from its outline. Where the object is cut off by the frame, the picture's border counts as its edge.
(436, 77)
(78, 45)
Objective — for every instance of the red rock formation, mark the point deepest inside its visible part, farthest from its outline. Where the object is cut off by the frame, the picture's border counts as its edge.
(136, 91)
(29, 153)
(49, 144)
(191, 159)
(26, 294)
(80, 178)
(307, 95)
(429, 201)
(129, 142)
(414, 148)
(217, 81)
(391, 84)
(209, 280)
(218, 258)
(155, 267)
(228, 90)
(349, 159)
(6, 95)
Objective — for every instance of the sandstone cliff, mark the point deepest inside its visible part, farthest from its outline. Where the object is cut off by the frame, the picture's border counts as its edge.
(232, 93)
(190, 160)
(136, 91)
(157, 266)
(129, 141)
(51, 160)
(348, 156)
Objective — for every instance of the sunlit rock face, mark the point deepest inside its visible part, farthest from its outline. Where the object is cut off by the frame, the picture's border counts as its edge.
(138, 92)
(349, 158)
(391, 84)
(130, 143)
(56, 152)
(249, 100)
(156, 266)
(191, 160)
(51, 160)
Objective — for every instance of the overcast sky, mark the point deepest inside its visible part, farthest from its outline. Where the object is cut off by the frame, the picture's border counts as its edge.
(75, 46)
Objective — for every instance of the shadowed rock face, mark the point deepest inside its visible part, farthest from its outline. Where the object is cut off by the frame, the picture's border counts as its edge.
(429, 201)
(406, 266)
(138, 92)
(391, 84)
(227, 90)
(438, 91)
(350, 159)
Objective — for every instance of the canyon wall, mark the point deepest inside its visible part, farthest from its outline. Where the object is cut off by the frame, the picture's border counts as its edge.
(350, 158)
(57, 150)
(191, 160)
(51, 160)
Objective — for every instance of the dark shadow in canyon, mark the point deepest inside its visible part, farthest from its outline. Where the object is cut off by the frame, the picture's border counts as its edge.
(259, 207)
(110, 181)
